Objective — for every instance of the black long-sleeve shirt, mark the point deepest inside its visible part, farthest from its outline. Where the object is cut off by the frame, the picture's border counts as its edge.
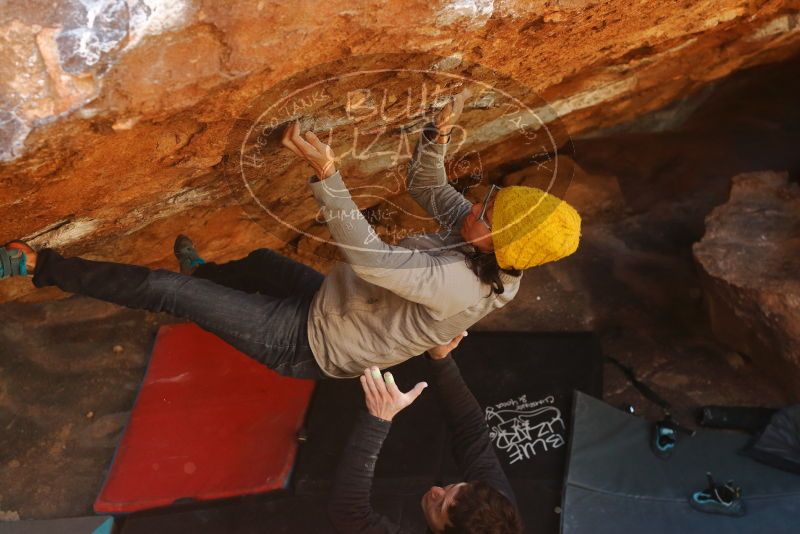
(350, 508)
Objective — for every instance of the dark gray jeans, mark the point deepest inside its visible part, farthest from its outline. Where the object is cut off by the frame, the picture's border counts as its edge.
(258, 304)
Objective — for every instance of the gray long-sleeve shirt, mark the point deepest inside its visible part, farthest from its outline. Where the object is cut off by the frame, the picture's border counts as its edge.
(389, 303)
(349, 507)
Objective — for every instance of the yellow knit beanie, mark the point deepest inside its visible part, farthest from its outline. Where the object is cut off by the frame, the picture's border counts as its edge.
(531, 227)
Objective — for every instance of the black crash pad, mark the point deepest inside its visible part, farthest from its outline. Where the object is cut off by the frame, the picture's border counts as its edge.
(513, 373)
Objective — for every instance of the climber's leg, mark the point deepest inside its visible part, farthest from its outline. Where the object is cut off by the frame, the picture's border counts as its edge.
(264, 271)
(271, 330)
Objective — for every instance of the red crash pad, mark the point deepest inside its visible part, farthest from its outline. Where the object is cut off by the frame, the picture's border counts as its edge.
(209, 422)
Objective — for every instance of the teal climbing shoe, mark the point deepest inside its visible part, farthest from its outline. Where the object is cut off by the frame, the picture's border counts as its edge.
(12, 262)
(723, 499)
(187, 255)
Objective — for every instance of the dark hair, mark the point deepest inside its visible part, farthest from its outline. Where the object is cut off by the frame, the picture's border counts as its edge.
(481, 509)
(484, 265)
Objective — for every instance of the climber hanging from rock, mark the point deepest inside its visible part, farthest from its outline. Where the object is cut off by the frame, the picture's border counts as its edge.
(385, 304)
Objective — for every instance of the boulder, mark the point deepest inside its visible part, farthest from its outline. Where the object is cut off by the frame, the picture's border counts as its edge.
(119, 117)
(750, 263)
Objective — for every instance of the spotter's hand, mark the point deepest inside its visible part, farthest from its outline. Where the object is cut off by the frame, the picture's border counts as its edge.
(384, 398)
(441, 351)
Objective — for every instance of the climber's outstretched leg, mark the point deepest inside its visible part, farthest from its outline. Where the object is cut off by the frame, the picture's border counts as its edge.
(264, 271)
(270, 329)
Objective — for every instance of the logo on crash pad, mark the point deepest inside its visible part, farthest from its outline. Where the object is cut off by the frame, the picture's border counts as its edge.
(523, 430)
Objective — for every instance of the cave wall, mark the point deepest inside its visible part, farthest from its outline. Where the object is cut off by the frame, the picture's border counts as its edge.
(117, 115)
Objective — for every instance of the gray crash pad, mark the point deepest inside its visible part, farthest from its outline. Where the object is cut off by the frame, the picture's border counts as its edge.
(614, 483)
